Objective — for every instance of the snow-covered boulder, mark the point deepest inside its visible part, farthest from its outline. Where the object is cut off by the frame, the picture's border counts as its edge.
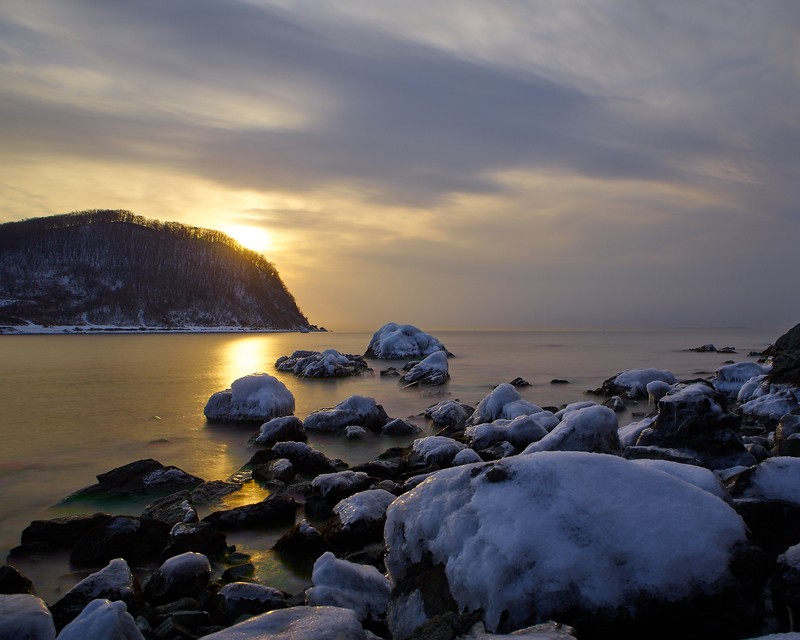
(466, 456)
(358, 520)
(434, 450)
(296, 623)
(730, 378)
(102, 619)
(254, 398)
(433, 370)
(504, 402)
(700, 477)
(326, 364)
(592, 429)
(360, 411)
(23, 615)
(449, 413)
(186, 574)
(591, 540)
(776, 478)
(520, 432)
(114, 582)
(329, 488)
(401, 341)
(245, 598)
(340, 583)
(285, 428)
(765, 403)
(632, 383)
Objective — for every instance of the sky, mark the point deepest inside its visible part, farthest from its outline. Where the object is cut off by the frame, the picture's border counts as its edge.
(452, 165)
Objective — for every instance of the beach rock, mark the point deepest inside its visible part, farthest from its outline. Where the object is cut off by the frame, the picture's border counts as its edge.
(520, 431)
(610, 547)
(329, 488)
(200, 537)
(285, 428)
(394, 342)
(434, 450)
(692, 419)
(280, 470)
(273, 511)
(731, 378)
(340, 583)
(139, 478)
(304, 458)
(303, 543)
(213, 490)
(114, 582)
(787, 435)
(451, 414)
(294, 623)
(400, 427)
(326, 364)
(184, 575)
(786, 358)
(592, 429)
(245, 598)
(504, 402)
(358, 520)
(102, 619)
(632, 383)
(355, 410)
(257, 397)
(172, 509)
(139, 541)
(24, 616)
(432, 371)
(615, 403)
(12, 581)
(60, 533)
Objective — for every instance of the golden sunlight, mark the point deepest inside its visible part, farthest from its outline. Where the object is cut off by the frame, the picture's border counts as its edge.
(254, 238)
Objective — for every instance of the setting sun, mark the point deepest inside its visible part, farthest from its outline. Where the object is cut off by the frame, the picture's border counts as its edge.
(253, 238)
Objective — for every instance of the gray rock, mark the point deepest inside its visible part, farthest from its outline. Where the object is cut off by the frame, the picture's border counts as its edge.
(172, 509)
(786, 358)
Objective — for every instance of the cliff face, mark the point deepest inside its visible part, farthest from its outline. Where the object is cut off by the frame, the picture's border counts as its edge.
(116, 268)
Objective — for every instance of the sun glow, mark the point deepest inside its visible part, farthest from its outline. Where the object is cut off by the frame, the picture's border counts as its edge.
(254, 238)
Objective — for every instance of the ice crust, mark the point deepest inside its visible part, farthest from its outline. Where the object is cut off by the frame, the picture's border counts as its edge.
(635, 381)
(364, 506)
(395, 341)
(102, 619)
(252, 398)
(25, 616)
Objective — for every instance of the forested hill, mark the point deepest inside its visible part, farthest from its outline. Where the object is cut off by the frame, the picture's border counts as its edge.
(117, 268)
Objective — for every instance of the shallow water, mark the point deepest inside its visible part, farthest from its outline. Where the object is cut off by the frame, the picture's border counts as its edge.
(75, 406)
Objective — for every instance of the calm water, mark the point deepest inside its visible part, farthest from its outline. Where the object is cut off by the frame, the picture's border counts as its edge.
(75, 406)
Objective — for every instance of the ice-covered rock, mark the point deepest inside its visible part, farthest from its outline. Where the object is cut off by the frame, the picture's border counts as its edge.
(449, 413)
(340, 583)
(434, 450)
(23, 615)
(282, 429)
(398, 341)
(466, 456)
(730, 378)
(356, 410)
(303, 457)
(632, 383)
(592, 429)
(326, 364)
(338, 484)
(102, 619)
(504, 402)
(765, 403)
(358, 520)
(353, 432)
(656, 390)
(297, 623)
(785, 587)
(520, 432)
(257, 397)
(777, 478)
(186, 574)
(629, 434)
(200, 537)
(280, 470)
(591, 540)
(245, 598)
(114, 582)
(433, 370)
(700, 477)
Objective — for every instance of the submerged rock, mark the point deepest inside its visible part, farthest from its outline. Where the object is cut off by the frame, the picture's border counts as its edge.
(393, 342)
(257, 397)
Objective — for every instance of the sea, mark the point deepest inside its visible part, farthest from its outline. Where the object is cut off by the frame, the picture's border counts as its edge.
(74, 406)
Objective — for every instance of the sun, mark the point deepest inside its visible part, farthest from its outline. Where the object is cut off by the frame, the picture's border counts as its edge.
(254, 238)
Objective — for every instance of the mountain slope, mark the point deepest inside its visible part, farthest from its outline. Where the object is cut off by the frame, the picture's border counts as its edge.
(116, 268)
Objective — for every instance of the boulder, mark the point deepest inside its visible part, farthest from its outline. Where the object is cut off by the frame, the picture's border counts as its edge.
(764, 403)
(520, 431)
(102, 619)
(200, 537)
(787, 435)
(139, 478)
(326, 364)
(172, 509)
(451, 414)
(213, 490)
(244, 598)
(114, 582)
(355, 410)
(786, 358)
(302, 544)
(394, 342)
(280, 430)
(632, 383)
(257, 397)
(504, 402)
(431, 371)
(434, 450)
(184, 575)
(358, 520)
(273, 511)
(785, 587)
(304, 458)
(278, 470)
(60, 533)
(140, 541)
(25, 616)
(329, 488)
(731, 378)
(593, 429)
(613, 548)
(400, 427)
(12, 581)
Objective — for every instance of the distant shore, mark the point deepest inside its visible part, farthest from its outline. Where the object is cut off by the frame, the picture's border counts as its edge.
(34, 329)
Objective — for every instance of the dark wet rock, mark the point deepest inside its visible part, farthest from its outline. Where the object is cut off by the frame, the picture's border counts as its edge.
(60, 533)
(304, 458)
(280, 470)
(615, 403)
(559, 381)
(786, 358)
(239, 572)
(787, 435)
(400, 427)
(213, 490)
(302, 544)
(139, 478)
(706, 348)
(172, 509)
(139, 541)
(183, 624)
(774, 524)
(355, 410)
(275, 510)
(201, 537)
(239, 599)
(386, 469)
(329, 488)
(391, 372)
(358, 521)
(326, 364)
(285, 428)
(785, 588)
(114, 582)
(12, 581)
(519, 382)
(184, 575)
(660, 453)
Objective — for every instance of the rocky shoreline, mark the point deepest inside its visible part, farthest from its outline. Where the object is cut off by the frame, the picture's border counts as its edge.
(544, 522)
